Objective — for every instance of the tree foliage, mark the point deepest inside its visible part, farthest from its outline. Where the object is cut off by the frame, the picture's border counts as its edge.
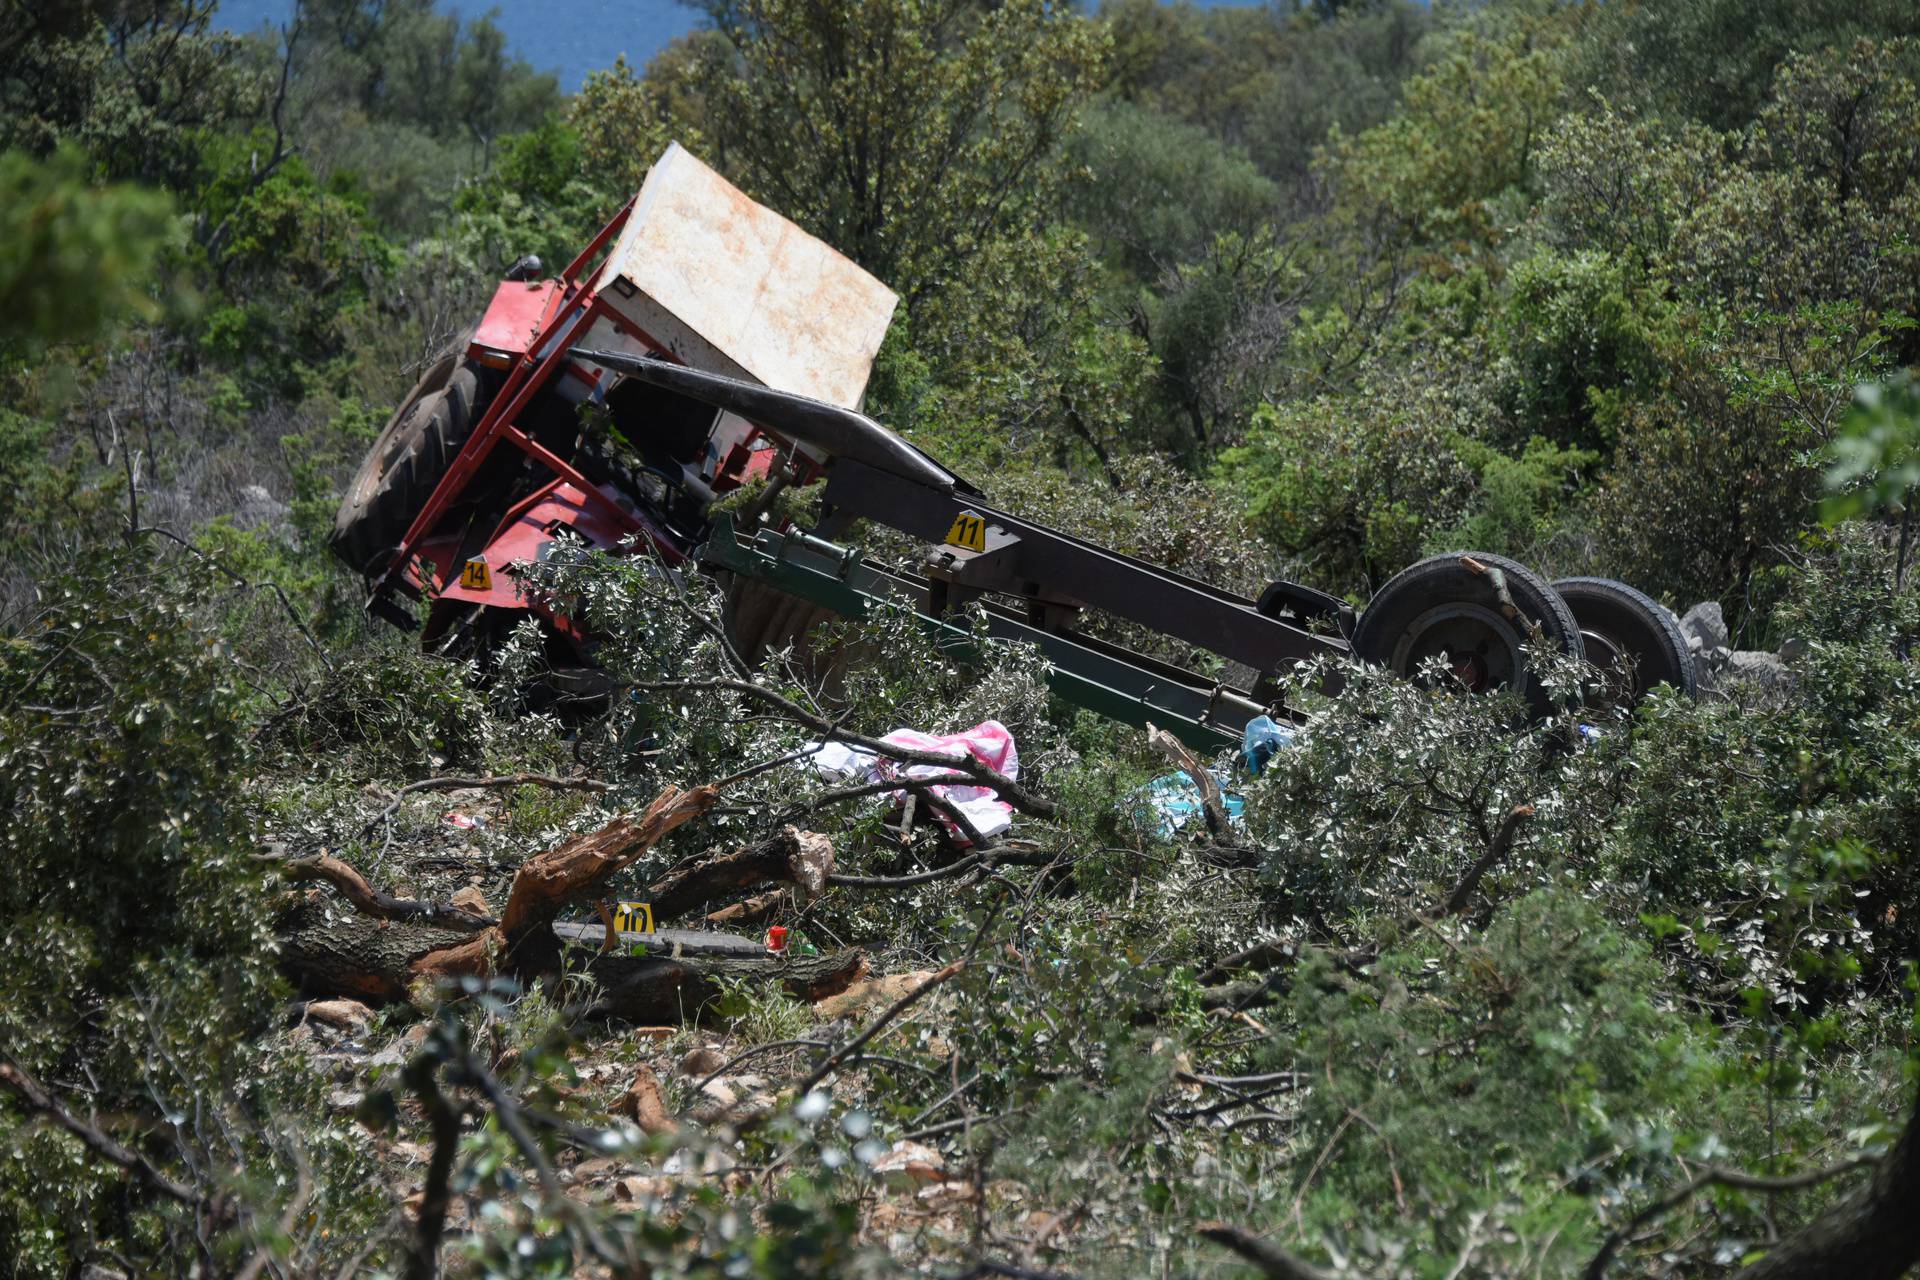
(1300, 291)
(78, 259)
(913, 134)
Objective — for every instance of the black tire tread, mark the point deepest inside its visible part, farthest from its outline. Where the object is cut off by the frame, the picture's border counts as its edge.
(1440, 577)
(1663, 625)
(415, 450)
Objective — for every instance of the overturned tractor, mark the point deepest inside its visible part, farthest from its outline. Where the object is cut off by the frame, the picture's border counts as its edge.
(725, 345)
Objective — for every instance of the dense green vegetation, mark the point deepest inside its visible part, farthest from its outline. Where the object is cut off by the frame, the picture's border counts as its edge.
(1300, 290)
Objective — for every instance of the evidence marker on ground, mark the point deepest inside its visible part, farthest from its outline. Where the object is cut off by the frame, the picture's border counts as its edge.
(633, 917)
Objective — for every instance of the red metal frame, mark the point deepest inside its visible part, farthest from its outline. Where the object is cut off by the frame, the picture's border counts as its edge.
(579, 307)
(569, 318)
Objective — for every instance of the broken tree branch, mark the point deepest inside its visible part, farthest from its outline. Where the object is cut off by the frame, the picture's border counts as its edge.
(1204, 782)
(242, 582)
(901, 1005)
(655, 989)
(39, 1102)
(994, 856)
(1712, 1177)
(886, 786)
(1497, 850)
(580, 867)
(1273, 1261)
(699, 880)
(878, 1025)
(1868, 1234)
(1220, 990)
(371, 901)
(423, 1254)
(1261, 956)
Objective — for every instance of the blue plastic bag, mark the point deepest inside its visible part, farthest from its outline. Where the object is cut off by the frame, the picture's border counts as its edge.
(1262, 739)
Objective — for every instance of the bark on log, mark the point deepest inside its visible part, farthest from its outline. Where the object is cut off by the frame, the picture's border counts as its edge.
(329, 950)
(336, 952)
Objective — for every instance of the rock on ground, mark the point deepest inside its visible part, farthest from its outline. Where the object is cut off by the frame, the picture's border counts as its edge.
(1705, 627)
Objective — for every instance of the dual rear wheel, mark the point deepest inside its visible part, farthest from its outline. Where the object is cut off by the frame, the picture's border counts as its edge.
(1475, 613)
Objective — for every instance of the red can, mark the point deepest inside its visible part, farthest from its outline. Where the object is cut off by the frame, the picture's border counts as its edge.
(776, 938)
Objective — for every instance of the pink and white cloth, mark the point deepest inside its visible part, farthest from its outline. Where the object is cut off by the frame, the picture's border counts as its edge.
(989, 742)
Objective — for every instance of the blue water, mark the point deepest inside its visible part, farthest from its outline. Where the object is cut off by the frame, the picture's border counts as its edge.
(567, 37)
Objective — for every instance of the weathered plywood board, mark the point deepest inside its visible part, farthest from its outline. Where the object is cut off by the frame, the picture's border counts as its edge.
(731, 286)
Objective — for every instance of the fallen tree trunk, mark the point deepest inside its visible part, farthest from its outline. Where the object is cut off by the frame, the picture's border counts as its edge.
(330, 951)
(660, 989)
(333, 952)
(385, 946)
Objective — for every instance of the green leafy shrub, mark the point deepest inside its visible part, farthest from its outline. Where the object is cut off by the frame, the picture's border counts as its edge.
(75, 258)
(1779, 831)
(1453, 1080)
(136, 916)
(388, 707)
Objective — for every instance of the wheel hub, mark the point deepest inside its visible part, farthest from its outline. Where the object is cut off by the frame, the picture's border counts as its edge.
(1478, 645)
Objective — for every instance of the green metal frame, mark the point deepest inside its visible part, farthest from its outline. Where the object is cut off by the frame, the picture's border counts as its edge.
(1105, 679)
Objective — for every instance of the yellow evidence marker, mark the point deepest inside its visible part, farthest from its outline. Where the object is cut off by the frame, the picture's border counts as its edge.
(633, 917)
(475, 576)
(969, 532)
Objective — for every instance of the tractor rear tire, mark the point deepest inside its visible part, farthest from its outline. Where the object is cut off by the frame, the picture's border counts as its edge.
(408, 459)
(1478, 609)
(1616, 620)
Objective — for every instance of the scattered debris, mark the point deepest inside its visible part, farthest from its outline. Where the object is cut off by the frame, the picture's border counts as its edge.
(1172, 800)
(988, 742)
(1262, 739)
(644, 1104)
(911, 1162)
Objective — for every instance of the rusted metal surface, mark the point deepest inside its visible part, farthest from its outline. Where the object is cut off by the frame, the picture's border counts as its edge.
(731, 286)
